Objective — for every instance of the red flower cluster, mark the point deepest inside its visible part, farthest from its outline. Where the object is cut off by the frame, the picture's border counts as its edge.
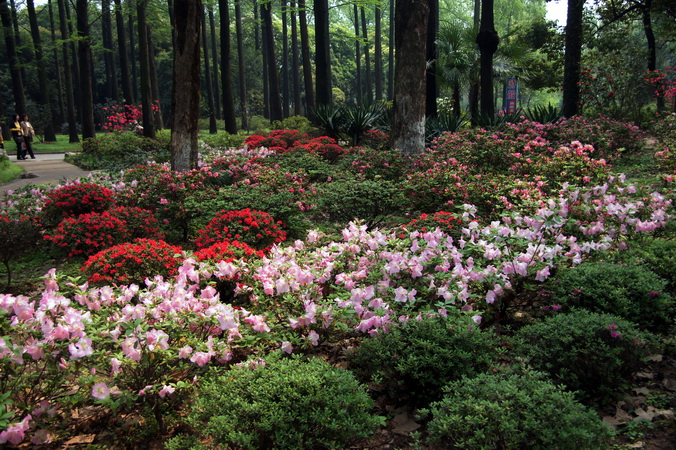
(124, 117)
(76, 199)
(447, 222)
(256, 228)
(141, 223)
(88, 233)
(227, 251)
(283, 141)
(132, 262)
(277, 140)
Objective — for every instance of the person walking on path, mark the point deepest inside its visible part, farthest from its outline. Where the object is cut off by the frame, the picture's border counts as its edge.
(17, 135)
(2, 140)
(28, 135)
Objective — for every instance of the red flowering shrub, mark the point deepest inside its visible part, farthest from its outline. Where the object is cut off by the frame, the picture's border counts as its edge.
(447, 222)
(324, 146)
(75, 199)
(227, 251)
(278, 140)
(133, 262)
(256, 228)
(88, 233)
(376, 140)
(141, 223)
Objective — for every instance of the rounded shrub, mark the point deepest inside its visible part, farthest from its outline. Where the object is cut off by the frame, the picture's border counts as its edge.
(284, 403)
(227, 251)
(659, 256)
(595, 354)
(75, 199)
(133, 262)
(141, 223)
(255, 228)
(630, 291)
(417, 359)
(513, 411)
(88, 233)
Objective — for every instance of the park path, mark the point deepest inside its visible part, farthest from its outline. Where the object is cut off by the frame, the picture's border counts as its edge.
(46, 168)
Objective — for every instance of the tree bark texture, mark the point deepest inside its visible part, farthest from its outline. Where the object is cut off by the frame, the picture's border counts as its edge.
(571, 64)
(276, 112)
(144, 60)
(488, 41)
(378, 56)
(15, 71)
(367, 58)
(226, 74)
(127, 91)
(322, 53)
(240, 66)
(108, 54)
(285, 60)
(295, 63)
(305, 53)
(70, 99)
(45, 98)
(408, 120)
(214, 60)
(85, 54)
(61, 117)
(357, 54)
(208, 80)
(432, 88)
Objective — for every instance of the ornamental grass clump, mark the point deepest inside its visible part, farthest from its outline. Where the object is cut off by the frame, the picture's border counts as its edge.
(133, 262)
(283, 403)
(88, 233)
(74, 200)
(255, 228)
(631, 291)
(513, 411)
(594, 354)
(418, 359)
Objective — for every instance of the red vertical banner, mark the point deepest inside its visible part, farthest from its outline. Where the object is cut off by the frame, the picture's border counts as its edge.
(512, 94)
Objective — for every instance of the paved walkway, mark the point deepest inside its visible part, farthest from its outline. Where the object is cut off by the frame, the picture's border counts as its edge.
(47, 168)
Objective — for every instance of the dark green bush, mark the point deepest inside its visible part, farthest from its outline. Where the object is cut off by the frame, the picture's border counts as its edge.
(513, 411)
(223, 139)
(657, 255)
(115, 151)
(632, 291)
(299, 161)
(419, 358)
(595, 354)
(285, 403)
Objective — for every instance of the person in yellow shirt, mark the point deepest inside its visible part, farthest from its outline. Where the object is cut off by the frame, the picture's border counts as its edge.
(2, 140)
(17, 135)
(28, 135)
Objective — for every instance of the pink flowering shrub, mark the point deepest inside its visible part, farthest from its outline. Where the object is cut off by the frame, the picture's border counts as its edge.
(255, 228)
(124, 117)
(88, 233)
(132, 262)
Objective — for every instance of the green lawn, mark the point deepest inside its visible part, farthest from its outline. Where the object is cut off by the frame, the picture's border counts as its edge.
(60, 146)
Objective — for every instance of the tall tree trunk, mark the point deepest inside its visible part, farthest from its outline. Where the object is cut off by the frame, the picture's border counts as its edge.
(85, 52)
(652, 47)
(295, 63)
(22, 51)
(207, 79)
(285, 60)
(57, 67)
(266, 81)
(571, 64)
(432, 88)
(132, 57)
(14, 70)
(390, 56)
(240, 65)
(185, 91)
(226, 75)
(473, 95)
(75, 64)
(367, 58)
(408, 120)
(70, 99)
(109, 53)
(488, 41)
(276, 112)
(322, 53)
(378, 55)
(144, 59)
(456, 98)
(45, 99)
(214, 61)
(357, 54)
(154, 82)
(305, 54)
(127, 91)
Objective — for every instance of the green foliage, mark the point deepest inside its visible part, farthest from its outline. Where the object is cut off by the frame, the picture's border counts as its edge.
(116, 151)
(329, 119)
(659, 256)
(18, 235)
(284, 403)
(358, 119)
(8, 170)
(513, 411)
(223, 139)
(497, 120)
(631, 291)
(446, 122)
(416, 360)
(376, 164)
(345, 199)
(543, 114)
(300, 123)
(595, 354)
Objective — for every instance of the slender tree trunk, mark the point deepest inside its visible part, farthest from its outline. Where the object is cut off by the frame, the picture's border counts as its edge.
(473, 95)
(295, 63)
(75, 65)
(226, 75)
(154, 82)
(266, 81)
(22, 51)
(57, 67)
(240, 65)
(378, 55)
(488, 41)
(276, 112)
(432, 88)
(214, 61)
(390, 56)
(133, 58)
(257, 42)
(109, 53)
(144, 59)
(652, 47)
(14, 70)
(127, 91)
(70, 99)
(456, 98)
(45, 99)
(207, 79)
(322, 53)
(408, 120)
(85, 52)
(285, 60)
(185, 91)
(305, 53)
(357, 54)
(571, 65)
(367, 58)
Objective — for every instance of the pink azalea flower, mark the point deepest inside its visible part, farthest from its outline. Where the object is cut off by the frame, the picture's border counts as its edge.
(100, 391)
